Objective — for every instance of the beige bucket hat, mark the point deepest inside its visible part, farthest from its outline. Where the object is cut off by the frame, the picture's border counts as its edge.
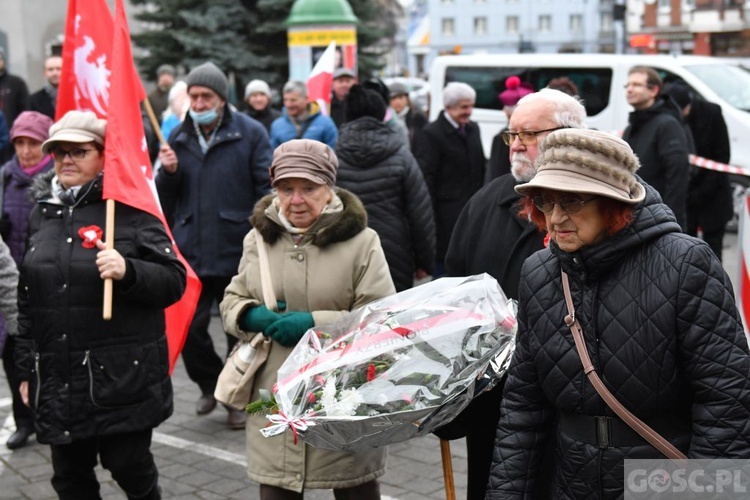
(587, 161)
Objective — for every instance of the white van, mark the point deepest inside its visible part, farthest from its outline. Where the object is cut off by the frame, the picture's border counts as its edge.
(601, 79)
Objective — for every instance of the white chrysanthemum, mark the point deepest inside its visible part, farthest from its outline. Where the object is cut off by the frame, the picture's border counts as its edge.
(328, 399)
(348, 402)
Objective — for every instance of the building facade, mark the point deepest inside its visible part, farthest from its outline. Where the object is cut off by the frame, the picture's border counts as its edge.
(32, 30)
(507, 26)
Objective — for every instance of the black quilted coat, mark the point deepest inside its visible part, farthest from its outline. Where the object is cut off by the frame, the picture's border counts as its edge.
(89, 377)
(375, 165)
(660, 324)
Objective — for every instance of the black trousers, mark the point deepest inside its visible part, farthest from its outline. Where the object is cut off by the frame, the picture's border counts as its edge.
(22, 414)
(127, 456)
(202, 363)
(367, 491)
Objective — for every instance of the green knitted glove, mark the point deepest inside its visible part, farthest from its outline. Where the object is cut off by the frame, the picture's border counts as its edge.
(290, 328)
(257, 319)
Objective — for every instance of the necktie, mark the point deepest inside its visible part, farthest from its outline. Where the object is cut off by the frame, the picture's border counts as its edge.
(461, 131)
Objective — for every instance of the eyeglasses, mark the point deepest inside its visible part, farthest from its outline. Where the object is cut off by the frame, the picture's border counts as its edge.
(571, 205)
(528, 137)
(637, 85)
(76, 154)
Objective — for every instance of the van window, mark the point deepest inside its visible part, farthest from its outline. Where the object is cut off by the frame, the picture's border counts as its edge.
(593, 83)
(731, 83)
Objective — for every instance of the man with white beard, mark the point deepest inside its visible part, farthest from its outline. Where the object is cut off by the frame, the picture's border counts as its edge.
(490, 237)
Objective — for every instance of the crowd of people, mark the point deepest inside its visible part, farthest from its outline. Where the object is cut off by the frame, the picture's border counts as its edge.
(354, 203)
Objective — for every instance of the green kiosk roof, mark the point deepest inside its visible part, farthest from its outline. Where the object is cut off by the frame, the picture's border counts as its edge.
(321, 12)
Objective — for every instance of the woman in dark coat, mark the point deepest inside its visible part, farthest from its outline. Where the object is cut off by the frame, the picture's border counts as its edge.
(375, 165)
(97, 388)
(29, 131)
(658, 318)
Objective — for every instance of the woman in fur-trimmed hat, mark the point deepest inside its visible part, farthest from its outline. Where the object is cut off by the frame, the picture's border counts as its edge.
(659, 323)
(324, 261)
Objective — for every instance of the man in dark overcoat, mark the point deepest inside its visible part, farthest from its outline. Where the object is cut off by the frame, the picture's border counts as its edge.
(449, 152)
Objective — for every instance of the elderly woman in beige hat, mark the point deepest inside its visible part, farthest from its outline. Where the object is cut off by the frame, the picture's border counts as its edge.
(97, 388)
(659, 323)
(324, 261)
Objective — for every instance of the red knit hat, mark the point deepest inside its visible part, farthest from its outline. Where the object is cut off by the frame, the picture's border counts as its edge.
(514, 91)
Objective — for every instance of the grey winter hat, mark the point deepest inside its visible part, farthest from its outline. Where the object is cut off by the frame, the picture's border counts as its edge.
(339, 72)
(209, 75)
(587, 161)
(306, 159)
(397, 88)
(166, 68)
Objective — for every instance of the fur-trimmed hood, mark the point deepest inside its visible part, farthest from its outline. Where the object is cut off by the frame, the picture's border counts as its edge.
(41, 186)
(328, 229)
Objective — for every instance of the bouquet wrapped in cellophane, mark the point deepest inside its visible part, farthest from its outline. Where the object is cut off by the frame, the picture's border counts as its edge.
(395, 369)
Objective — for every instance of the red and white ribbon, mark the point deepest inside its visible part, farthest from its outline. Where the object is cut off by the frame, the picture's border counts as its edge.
(699, 161)
(279, 422)
(744, 257)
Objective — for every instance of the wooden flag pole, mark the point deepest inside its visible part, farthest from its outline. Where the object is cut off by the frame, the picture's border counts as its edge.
(109, 242)
(154, 122)
(445, 453)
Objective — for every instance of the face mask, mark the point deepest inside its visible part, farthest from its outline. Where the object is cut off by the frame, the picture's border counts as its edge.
(204, 117)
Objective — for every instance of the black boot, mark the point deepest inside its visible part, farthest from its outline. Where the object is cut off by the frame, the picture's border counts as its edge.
(19, 438)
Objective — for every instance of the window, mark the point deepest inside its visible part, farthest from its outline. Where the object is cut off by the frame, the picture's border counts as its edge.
(480, 26)
(545, 24)
(448, 26)
(607, 24)
(664, 4)
(511, 25)
(593, 83)
(576, 23)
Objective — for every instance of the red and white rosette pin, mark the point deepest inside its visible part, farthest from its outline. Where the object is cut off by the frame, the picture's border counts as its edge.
(90, 235)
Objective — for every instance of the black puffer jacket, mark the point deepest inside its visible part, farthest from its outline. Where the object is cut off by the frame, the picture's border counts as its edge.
(89, 377)
(375, 165)
(663, 332)
(658, 139)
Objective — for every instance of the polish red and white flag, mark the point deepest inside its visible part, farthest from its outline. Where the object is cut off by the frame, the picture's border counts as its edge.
(321, 78)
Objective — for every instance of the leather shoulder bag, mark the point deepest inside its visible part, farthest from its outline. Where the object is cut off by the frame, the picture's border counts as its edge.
(650, 435)
(235, 383)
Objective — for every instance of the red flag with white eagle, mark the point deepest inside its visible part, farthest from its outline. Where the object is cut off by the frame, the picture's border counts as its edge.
(128, 176)
(321, 78)
(84, 82)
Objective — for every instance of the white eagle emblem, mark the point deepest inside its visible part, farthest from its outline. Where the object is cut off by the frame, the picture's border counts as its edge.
(92, 79)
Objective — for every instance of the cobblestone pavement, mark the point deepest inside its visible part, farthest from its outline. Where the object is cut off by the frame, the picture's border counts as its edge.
(199, 458)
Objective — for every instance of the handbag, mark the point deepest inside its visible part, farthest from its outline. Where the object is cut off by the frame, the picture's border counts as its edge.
(235, 382)
(650, 435)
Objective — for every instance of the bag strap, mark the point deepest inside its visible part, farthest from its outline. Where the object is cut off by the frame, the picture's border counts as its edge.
(650, 435)
(269, 297)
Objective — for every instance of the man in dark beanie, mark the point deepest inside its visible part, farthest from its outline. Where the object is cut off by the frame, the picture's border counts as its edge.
(709, 202)
(212, 172)
(377, 166)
